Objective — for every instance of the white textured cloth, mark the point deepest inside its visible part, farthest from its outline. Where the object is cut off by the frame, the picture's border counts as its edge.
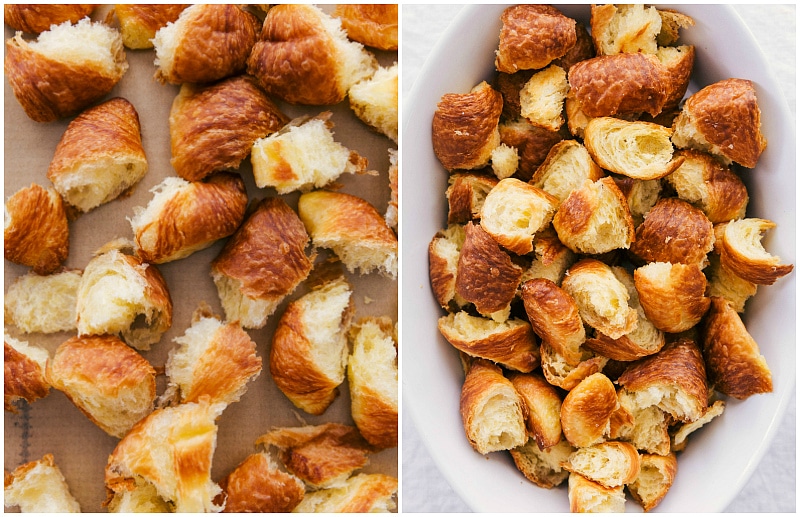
(772, 487)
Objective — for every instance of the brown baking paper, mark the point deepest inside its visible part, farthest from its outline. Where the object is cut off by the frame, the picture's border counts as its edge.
(53, 424)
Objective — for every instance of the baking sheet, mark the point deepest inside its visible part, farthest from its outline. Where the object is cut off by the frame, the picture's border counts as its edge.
(53, 424)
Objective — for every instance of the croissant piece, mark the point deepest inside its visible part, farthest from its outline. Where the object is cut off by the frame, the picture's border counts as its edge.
(303, 56)
(514, 211)
(362, 493)
(638, 149)
(213, 359)
(110, 382)
(262, 263)
(679, 63)
(602, 299)
(372, 376)
(609, 85)
(213, 127)
(39, 487)
(308, 358)
(542, 98)
(709, 185)
(303, 155)
(595, 218)
(465, 127)
(742, 252)
(486, 275)
(555, 317)
(374, 100)
(206, 43)
(551, 258)
(625, 28)
(36, 232)
(100, 156)
(373, 25)
(565, 168)
(586, 410)
(672, 295)
(533, 143)
(510, 343)
(674, 231)
(532, 36)
(443, 253)
(66, 69)
(491, 409)
(24, 373)
(735, 364)
(466, 193)
(184, 217)
(586, 496)
(655, 478)
(139, 23)
(36, 18)
(641, 422)
(258, 485)
(610, 464)
(351, 227)
(542, 408)
(116, 291)
(560, 373)
(723, 119)
(322, 456)
(542, 467)
(724, 283)
(673, 379)
(171, 449)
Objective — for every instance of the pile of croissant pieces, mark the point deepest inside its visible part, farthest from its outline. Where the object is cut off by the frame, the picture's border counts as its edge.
(597, 256)
(119, 305)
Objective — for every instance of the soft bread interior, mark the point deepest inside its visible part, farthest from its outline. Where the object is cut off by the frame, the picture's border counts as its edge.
(249, 312)
(84, 43)
(322, 316)
(373, 362)
(40, 489)
(374, 100)
(43, 303)
(91, 183)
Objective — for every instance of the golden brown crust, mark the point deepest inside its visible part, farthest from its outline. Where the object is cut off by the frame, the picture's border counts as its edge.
(111, 383)
(213, 41)
(106, 134)
(140, 22)
(619, 84)
(586, 496)
(443, 252)
(199, 214)
(554, 317)
(465, 127)
(361, 493)
(533, 143)
(258, 486)
(49, 89)
(509, 85)
(532, 36)
(321, 455)
(734, 362)
(727, 115)
(656, 478)
(298, 60)
(491, 409)
(581, 51)
(373, 25)
(36, 18)
(486, 275)
(23, 378)
(542, 404)
(36, 230)
(674, 231)
(672, 295)
(742, 253)
(465, 195)
(677, 372)
(678, 63)
(511, 343)
(267, 253)
(213, 127)
(586, 410)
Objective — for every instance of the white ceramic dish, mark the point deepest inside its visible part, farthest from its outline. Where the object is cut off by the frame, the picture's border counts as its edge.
(721, 456)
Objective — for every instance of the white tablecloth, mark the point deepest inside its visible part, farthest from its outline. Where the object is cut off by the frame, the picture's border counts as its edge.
(772, 487)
